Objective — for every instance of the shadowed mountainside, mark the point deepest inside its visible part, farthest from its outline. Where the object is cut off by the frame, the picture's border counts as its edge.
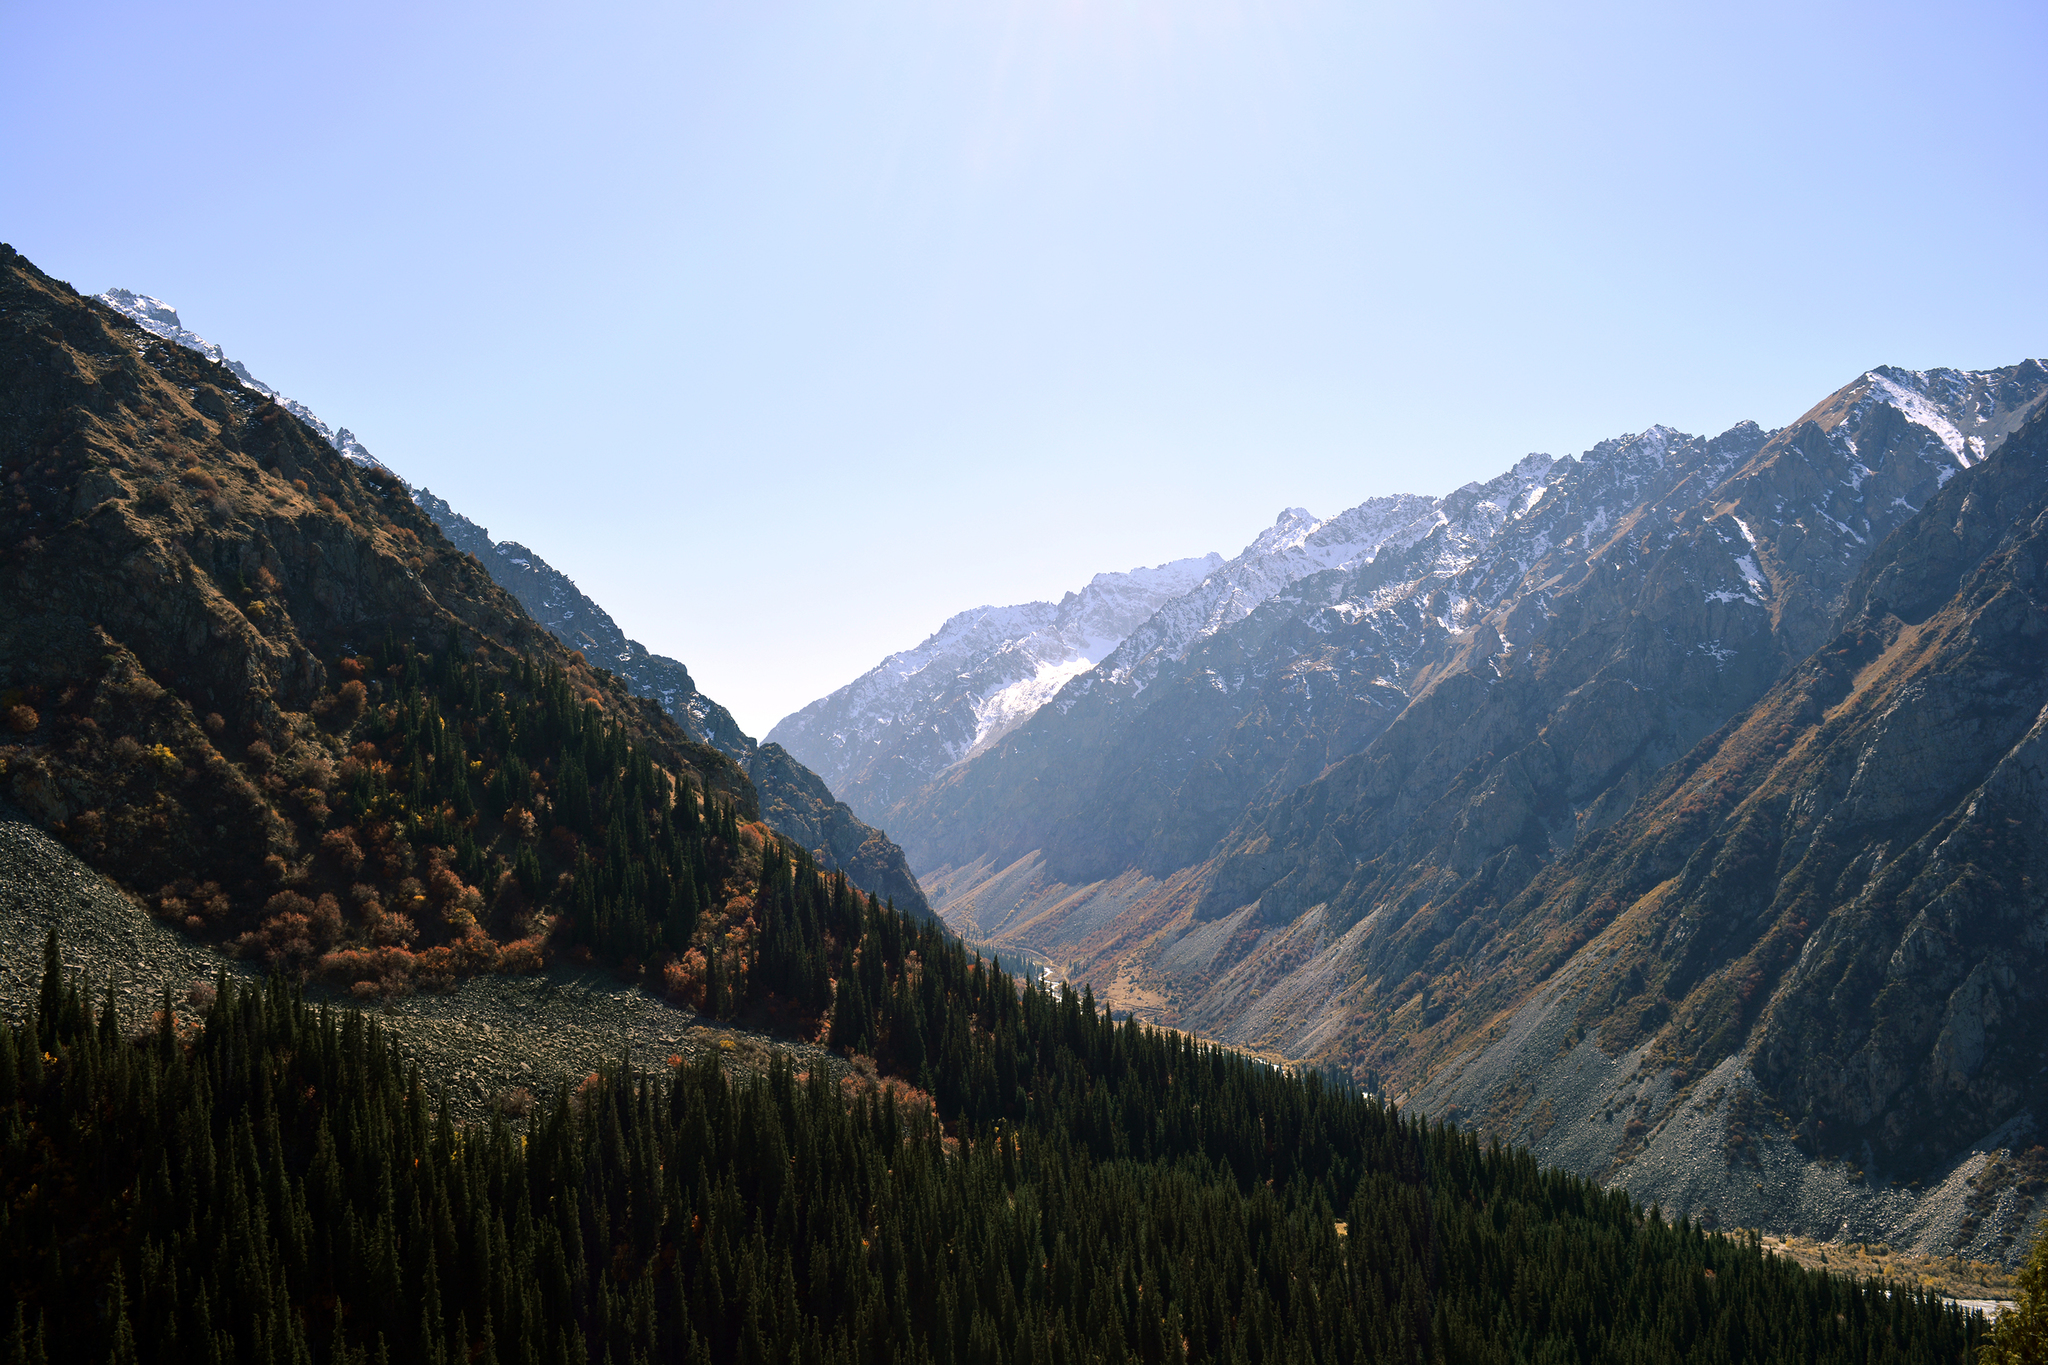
(794, 801)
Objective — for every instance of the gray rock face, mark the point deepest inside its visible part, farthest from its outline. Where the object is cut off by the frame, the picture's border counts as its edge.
(1834, 906)
(1397, 797)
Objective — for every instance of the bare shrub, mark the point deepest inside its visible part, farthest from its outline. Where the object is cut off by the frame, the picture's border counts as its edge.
(340, 845)
(395, 928)
(351, 699)
(285, 940)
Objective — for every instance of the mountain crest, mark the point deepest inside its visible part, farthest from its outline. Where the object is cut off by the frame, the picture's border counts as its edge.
(160, 319)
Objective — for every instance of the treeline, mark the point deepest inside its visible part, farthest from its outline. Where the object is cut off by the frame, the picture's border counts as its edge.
(277, 1186)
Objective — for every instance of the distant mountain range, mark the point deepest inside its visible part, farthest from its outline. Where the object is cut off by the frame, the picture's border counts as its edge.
(1420, 793)
(793, 800)
(925, 710)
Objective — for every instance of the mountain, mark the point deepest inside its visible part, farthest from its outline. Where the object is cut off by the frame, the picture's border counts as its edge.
(249, 681)
(253, 682)
(552, 598)
(797, 804)
(1823, 932)
(922, 711)
(1302, 832)
(160, 319)
(794, 801)
(1148, 761)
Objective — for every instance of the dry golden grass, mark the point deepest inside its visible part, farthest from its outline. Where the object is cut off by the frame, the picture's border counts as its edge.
(1953, 1276)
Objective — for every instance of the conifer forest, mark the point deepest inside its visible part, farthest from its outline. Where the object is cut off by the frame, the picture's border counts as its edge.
(276, 1186)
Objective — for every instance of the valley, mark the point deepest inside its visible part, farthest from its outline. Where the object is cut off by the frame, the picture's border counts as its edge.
(1558, 804)
(1561, 880)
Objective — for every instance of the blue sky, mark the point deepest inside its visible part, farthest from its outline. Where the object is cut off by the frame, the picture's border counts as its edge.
(790, 330)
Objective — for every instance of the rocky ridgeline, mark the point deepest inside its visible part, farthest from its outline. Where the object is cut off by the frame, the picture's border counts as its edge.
(160, 319)
(552, 598)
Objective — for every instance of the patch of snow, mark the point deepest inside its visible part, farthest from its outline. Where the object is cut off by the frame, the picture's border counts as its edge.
(1921, 413)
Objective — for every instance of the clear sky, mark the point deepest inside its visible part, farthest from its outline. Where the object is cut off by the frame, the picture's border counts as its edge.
(789, 330)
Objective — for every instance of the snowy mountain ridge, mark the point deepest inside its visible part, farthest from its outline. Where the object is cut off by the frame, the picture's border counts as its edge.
(1297, 544)
(160, 319)
(984, 672)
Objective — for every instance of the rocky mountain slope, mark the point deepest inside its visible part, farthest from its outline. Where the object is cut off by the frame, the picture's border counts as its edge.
(796, 803)
(794, 800)
(1824, 932)
(922, 711)
(216, 639)
(552, 598)
(1301, 833)
(160, 319)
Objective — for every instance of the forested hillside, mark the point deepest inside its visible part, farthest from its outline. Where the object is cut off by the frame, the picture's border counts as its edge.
(251, 683)
(794, 800)
(271, 1186)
